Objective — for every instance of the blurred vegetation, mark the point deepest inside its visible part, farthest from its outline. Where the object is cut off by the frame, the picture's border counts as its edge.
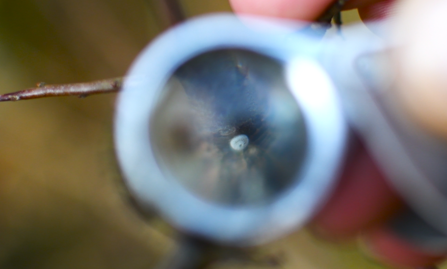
(61, 200)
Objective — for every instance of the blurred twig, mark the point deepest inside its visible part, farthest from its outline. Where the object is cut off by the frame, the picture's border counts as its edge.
(79, 89)
(191, 253)
(171, 10)
(331, 12)
(324, 21)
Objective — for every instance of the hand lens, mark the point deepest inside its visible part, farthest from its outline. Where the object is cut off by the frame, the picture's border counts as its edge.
(234, 129)
(212, 132)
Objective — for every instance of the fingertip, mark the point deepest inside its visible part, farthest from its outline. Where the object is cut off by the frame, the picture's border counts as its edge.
(377, 11)
(287, 9)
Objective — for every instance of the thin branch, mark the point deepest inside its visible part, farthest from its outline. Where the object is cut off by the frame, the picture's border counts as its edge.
(323, 23)
(169, 12)
(331, 11)
(191, 253)
(174, 14)
(172, 10)
(78, 89)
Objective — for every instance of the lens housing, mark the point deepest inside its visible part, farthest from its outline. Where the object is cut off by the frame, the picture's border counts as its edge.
(308, 88)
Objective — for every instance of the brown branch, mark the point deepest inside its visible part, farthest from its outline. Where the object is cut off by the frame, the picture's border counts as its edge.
(331, 11)
(79, 89)
(173, 11)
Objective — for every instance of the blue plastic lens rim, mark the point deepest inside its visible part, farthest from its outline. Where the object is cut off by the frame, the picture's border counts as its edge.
(144, 82)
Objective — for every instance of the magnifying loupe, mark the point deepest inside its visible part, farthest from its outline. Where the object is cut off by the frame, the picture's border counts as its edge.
(213, 133)
(234, 129)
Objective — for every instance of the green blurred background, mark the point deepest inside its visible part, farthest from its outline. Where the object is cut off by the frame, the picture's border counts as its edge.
(62, 204)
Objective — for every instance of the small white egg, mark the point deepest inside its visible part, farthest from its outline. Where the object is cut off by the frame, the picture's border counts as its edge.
(239, 142)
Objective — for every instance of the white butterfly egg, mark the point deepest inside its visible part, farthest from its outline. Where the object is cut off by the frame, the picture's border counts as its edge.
(239, 142)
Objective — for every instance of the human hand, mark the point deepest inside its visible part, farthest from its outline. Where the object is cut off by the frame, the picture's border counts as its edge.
(363, 202)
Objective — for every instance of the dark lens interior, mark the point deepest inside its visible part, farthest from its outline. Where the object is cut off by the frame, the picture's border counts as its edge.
(228, 129)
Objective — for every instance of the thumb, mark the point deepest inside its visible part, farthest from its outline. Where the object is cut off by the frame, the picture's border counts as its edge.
(422, 62)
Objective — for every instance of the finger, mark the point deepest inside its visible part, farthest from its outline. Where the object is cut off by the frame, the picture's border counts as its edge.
(377, 10)
(388, 248)
(359, 3)
(288, 9)
(293, 9)
(362, 199)
(422, 62)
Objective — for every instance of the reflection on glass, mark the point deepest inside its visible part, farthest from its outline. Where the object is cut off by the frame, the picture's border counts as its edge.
(228, 129)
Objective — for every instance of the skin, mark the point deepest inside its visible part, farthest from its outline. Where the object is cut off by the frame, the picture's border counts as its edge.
(363, 201)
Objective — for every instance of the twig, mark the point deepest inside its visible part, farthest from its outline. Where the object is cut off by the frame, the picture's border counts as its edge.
(80, 89)
(331, 11)
(191, 253)
(169, 12)
(172, 10)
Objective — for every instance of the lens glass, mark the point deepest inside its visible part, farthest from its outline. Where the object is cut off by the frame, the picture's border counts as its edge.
(228, 129)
